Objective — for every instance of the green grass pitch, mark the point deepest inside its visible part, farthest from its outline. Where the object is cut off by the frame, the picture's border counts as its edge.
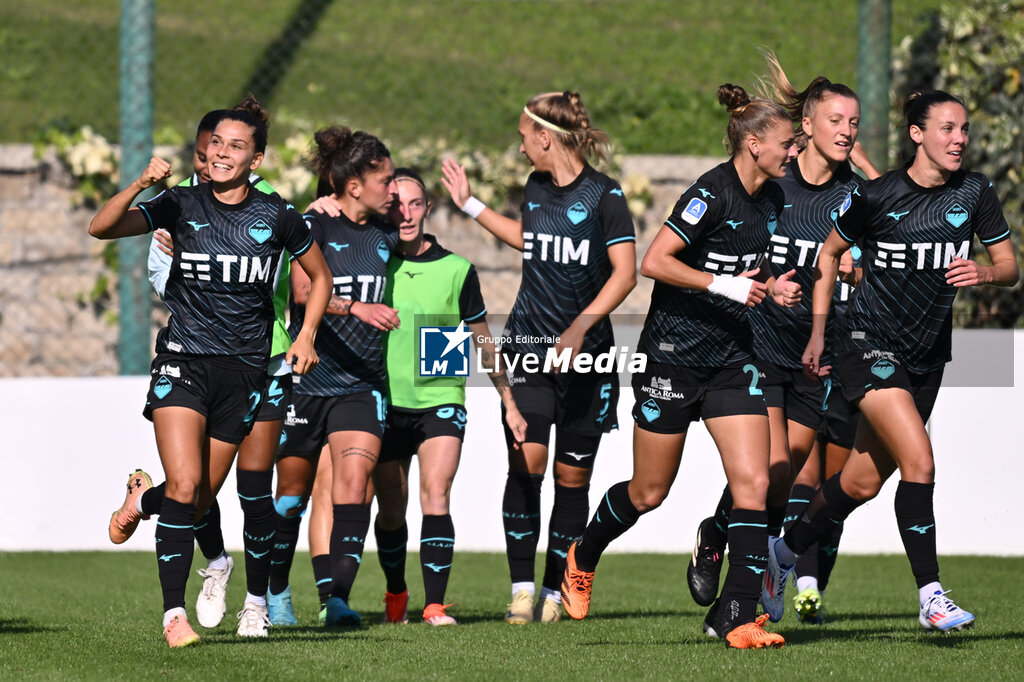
(97, 616)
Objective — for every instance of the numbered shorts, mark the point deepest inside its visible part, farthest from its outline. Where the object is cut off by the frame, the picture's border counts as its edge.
(839, 417)
(407, 429)
(669, 397)
(225, 390)
(310, 419)
(277, 399)
(799, 396)
(581, 407)
(866, 370)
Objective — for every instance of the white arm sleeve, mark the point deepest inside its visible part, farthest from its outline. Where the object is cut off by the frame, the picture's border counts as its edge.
(159, 265)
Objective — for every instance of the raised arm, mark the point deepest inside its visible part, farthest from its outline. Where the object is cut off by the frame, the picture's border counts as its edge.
(504, 228)
(117, 218)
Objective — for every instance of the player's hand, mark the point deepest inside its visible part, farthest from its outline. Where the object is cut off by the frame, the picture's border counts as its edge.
(163, 241)
(301, 355)
(376, 315)
(966, 273)
(325, 204)
(812, 358)
(455, 181)
(571, 339)
(157, 170)
(786, 292)
(758, 290)
(517, 425)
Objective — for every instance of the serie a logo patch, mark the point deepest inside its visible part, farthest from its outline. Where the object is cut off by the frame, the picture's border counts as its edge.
(444, 351)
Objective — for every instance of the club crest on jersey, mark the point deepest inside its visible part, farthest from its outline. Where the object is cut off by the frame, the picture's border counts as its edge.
(773, 222)
(694, 211)
(577, 213)
(383, 251)
(957, 215)
(260, 231)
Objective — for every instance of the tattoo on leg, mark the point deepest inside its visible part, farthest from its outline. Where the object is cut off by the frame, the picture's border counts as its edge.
(360, 452)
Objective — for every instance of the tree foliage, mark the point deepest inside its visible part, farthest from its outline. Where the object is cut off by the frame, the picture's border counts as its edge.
(975, 49)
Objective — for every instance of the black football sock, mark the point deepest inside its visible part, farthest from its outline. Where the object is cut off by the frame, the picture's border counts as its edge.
(614, 516)
(391, 551)
(437, 544)
(520, 513)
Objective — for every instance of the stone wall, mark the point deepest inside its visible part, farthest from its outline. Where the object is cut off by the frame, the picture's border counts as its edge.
(49, 264)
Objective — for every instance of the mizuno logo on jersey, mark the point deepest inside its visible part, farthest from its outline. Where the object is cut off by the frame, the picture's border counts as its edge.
(198, 226)
(555, 248)
(336, 246)
(706, 194)
(920, 255)
(616, 192)
(530, 205)
(896, 216)
(412, 275)
(734, 223)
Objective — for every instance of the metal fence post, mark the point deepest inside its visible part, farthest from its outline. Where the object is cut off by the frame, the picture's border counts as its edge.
(136, 103)
(874, 37)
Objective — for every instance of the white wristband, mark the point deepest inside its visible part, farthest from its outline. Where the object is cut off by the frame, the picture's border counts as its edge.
(473, 207)
(733, 288)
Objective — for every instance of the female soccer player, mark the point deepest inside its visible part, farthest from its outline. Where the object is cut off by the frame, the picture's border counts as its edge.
(426, 415)
(915, 226)
(209, 375)
(828, 116)
(699, 345)
(342, 403)
(255, 455)
(579, 263)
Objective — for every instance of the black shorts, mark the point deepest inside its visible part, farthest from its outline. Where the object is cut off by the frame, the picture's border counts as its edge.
(407, 429)
(225, 390)
(583, 404)
(839, 416)
(799, 396)
(278, 398)
(865, 370)
(311, 419)
(669, 397)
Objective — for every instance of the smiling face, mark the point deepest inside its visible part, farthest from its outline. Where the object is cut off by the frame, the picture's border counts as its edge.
(231, 154)
(376, 190)
(833, 126)
(410, 210)
(942, 141)
(774, 149)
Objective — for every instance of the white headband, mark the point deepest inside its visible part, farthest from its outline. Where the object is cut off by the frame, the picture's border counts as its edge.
(547, 124)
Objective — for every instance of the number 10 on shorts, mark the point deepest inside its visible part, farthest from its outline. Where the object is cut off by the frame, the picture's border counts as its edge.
(444, 351)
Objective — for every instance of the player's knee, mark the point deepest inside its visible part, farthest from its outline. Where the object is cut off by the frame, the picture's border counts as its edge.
(290, 506)
(648, 497)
